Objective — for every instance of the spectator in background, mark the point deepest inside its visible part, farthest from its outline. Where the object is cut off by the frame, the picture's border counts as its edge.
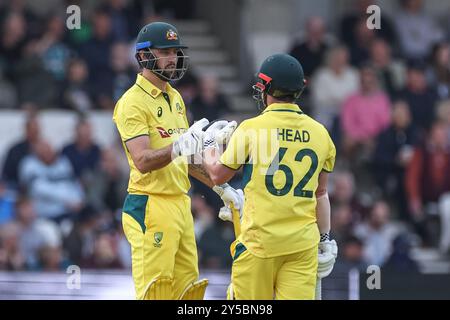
(12, 42)
(51, 258)
(331, 85)
(20, 150)
(20, 7)
(97, 54)
(438, 73)
(391, 73)
(105, 254)
(75, 94)
(11, 258)
(360, 49)
(311, 51)
(400, 259)
(427, 180)
(124, 74)
(106, 187)
(52, 50)
(34, 233)
(51, 184)
(377, 234)
(79, 243)
(35, 84)
(420, 97)
(349, 29)
(365, 114)
(352, 255)
(393, 153)
(417, 32)
(188, 88)
(124, 19)
(209, 103)
(343, 193)
(341, 222)
(84, 154)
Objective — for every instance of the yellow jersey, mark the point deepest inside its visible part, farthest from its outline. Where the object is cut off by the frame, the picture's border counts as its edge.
(282, 151)
(146, 110)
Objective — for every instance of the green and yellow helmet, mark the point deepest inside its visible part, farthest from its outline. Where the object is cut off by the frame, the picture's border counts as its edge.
(280, 76)
(161, 35)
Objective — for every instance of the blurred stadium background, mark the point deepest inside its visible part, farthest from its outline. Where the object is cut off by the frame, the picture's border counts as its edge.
(383, 94)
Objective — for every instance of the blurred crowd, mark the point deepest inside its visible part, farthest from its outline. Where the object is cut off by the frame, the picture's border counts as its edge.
(384, 95)
(62, 207)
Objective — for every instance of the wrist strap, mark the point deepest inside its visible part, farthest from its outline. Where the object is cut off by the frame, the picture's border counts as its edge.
(324, 237)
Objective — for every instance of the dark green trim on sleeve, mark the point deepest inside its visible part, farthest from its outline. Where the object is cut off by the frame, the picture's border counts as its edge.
(323, 169)
(141, 135)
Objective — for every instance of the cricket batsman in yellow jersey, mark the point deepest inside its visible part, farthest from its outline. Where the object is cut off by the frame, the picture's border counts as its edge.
(286, 157)
(157, 220)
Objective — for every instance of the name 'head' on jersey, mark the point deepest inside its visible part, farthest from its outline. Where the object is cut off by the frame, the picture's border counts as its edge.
(159, 48)
(280, 76)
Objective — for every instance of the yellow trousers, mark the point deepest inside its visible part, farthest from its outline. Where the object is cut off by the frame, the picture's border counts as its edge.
(160, 230)
(287, 277)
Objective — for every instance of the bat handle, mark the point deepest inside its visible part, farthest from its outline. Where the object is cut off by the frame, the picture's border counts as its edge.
(318, 289)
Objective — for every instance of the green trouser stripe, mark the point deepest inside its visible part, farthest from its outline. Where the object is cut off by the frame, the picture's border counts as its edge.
(135, 205)
(239, 249)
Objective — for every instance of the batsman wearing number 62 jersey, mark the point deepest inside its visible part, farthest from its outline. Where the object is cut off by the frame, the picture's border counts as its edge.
(286, 157)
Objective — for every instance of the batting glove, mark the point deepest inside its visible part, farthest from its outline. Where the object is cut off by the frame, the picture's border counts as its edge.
(190, 142)
(230, 196)
(225, 213)
(218, 132)
(327, 257)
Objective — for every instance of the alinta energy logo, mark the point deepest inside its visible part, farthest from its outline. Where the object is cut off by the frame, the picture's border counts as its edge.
(168, 133)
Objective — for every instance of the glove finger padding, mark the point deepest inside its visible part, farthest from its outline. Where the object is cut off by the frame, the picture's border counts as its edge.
(225, 214)
(199, 125)
(224, 134)
(215, 126)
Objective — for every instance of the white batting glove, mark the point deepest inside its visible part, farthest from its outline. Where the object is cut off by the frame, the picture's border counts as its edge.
(328, 251)
(190, 142)
(230, 196)
(225, 214)
(223, 135)
(219, 132)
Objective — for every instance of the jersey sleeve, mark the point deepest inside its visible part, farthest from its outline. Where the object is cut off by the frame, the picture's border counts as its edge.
(131, 121)
(237, 152)
(328, 165)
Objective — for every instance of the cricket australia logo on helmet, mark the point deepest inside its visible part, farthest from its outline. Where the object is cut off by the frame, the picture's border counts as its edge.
(171, 35)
